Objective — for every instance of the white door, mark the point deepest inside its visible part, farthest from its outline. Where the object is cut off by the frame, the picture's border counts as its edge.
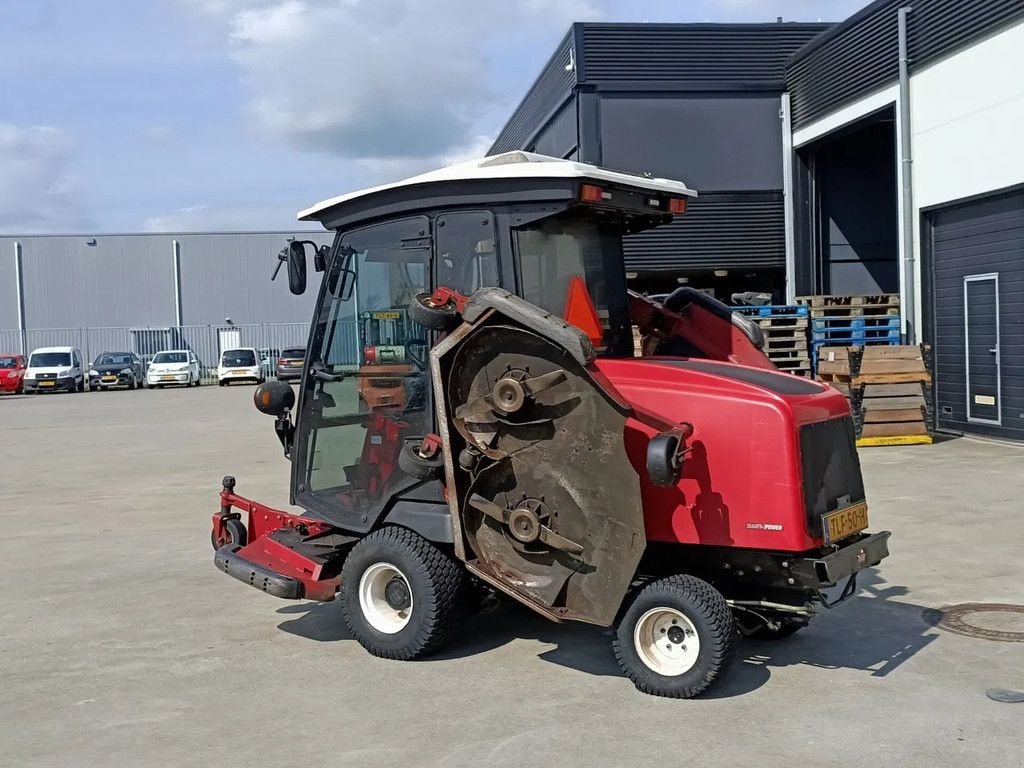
(230, 338)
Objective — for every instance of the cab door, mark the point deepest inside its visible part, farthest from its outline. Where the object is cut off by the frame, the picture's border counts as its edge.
(347, 441)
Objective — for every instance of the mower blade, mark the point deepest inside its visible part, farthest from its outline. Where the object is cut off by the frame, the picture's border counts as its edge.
(545, 381)
(489, 508)
(555, 541)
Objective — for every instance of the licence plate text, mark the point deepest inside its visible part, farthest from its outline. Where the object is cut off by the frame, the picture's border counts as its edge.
(168, 378)
(845, 522)
(46, 383)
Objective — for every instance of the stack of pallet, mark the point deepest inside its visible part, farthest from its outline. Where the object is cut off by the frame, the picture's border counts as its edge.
(887, 389)
(852, 320)
(785, 333)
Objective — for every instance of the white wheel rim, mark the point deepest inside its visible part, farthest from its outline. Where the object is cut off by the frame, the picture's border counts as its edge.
(666, 642)
(373, 601)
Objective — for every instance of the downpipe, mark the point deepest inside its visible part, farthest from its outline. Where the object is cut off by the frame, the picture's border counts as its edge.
(909, 292)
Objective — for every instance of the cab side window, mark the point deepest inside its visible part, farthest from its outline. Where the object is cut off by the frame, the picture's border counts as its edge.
(466, 251)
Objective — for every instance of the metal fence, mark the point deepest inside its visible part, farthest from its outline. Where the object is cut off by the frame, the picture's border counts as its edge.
(206, 341)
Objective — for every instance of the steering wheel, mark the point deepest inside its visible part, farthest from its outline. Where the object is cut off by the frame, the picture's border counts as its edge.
(418, 359)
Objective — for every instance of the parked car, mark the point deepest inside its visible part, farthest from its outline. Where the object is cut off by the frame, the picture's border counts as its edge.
(173, 366)
(116, 369)
(54, 368)
(12, 373)
(290, 364)
(242, 364)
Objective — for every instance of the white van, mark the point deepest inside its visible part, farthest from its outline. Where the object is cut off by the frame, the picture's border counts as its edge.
(51, 369)
(241, 364)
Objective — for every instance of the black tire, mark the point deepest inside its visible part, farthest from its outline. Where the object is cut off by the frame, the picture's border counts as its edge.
(435, 581)
(131, 383)
(415, 465)
(80, 386)
(237, 534)
(442, 318)
(710, 616)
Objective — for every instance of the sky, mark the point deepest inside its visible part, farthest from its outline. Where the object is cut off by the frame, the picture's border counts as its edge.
(192, 115)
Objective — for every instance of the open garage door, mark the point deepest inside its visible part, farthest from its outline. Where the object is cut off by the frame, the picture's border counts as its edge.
(976, 251)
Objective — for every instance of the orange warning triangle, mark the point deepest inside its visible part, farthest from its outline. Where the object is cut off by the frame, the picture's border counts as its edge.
(580, 311)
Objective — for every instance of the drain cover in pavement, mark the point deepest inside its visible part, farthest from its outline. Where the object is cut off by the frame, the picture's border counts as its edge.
(988, 621)
(1005, 696)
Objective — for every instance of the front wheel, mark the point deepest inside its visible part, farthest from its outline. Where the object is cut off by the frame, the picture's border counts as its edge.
(403, 597)
(676, 638)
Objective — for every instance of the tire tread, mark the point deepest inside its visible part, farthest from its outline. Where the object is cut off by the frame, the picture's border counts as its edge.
(444, 613)
(721, 644)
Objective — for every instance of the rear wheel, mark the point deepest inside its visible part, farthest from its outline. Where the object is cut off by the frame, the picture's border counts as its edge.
(676, 638)
(403, 597)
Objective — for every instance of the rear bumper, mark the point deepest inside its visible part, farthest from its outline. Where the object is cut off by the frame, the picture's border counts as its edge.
(255, 575)
(857, 553)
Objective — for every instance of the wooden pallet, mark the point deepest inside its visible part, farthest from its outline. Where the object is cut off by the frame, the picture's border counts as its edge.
(829, 300)
(773, 344)
(869, 310)
(789, 322)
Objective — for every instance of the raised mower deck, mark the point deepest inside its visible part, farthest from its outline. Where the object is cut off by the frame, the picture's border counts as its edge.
(284, 555)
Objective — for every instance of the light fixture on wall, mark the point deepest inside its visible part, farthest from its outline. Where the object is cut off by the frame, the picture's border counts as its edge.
(91, 242)
(721, 273)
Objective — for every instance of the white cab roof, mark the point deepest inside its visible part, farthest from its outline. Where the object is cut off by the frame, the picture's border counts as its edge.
(65, 350)
(513, 165)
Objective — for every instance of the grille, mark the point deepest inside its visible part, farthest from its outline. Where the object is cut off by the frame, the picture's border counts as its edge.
(47, 376)
(831, 469)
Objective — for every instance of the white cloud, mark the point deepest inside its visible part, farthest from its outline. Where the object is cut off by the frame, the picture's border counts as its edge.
(379, 80)
(38, 190)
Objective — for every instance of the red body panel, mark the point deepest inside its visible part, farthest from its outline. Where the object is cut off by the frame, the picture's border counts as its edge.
(11, 378)
(265, 551)
(741, 484)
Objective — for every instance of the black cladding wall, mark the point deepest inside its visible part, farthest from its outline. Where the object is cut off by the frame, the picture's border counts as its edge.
(861, 54)
(697, 102)
(981, 241)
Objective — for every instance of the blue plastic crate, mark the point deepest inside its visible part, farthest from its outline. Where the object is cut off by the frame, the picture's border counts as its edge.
(774, 310)
(864, 322)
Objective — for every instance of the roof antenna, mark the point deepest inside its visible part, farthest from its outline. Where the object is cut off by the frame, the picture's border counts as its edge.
(778, 19)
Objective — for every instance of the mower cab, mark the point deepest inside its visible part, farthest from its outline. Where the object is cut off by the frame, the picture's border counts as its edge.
(472, 408)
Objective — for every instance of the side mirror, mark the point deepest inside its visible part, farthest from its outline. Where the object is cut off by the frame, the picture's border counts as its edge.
(297, 267)
(274, 398)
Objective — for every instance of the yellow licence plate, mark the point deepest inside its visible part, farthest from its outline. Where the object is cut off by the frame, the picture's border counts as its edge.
(168, 378)
(236, 370)
(110, 378)
(47, 383)
(845, 522)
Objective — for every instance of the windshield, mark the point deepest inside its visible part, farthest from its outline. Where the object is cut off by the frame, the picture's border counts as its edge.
(50, 360)
(8, 362)
(114, 359)
(557, 249)
(245, 357)
(299, 352)
(170, 357)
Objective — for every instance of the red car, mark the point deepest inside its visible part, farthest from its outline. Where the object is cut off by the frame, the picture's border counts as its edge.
(12, 372)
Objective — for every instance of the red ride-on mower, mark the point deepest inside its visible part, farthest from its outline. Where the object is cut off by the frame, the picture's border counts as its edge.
(683, 498)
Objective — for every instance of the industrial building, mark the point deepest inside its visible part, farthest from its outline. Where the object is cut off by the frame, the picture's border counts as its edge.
(878, 155)
(698, 102)
(145, 292)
